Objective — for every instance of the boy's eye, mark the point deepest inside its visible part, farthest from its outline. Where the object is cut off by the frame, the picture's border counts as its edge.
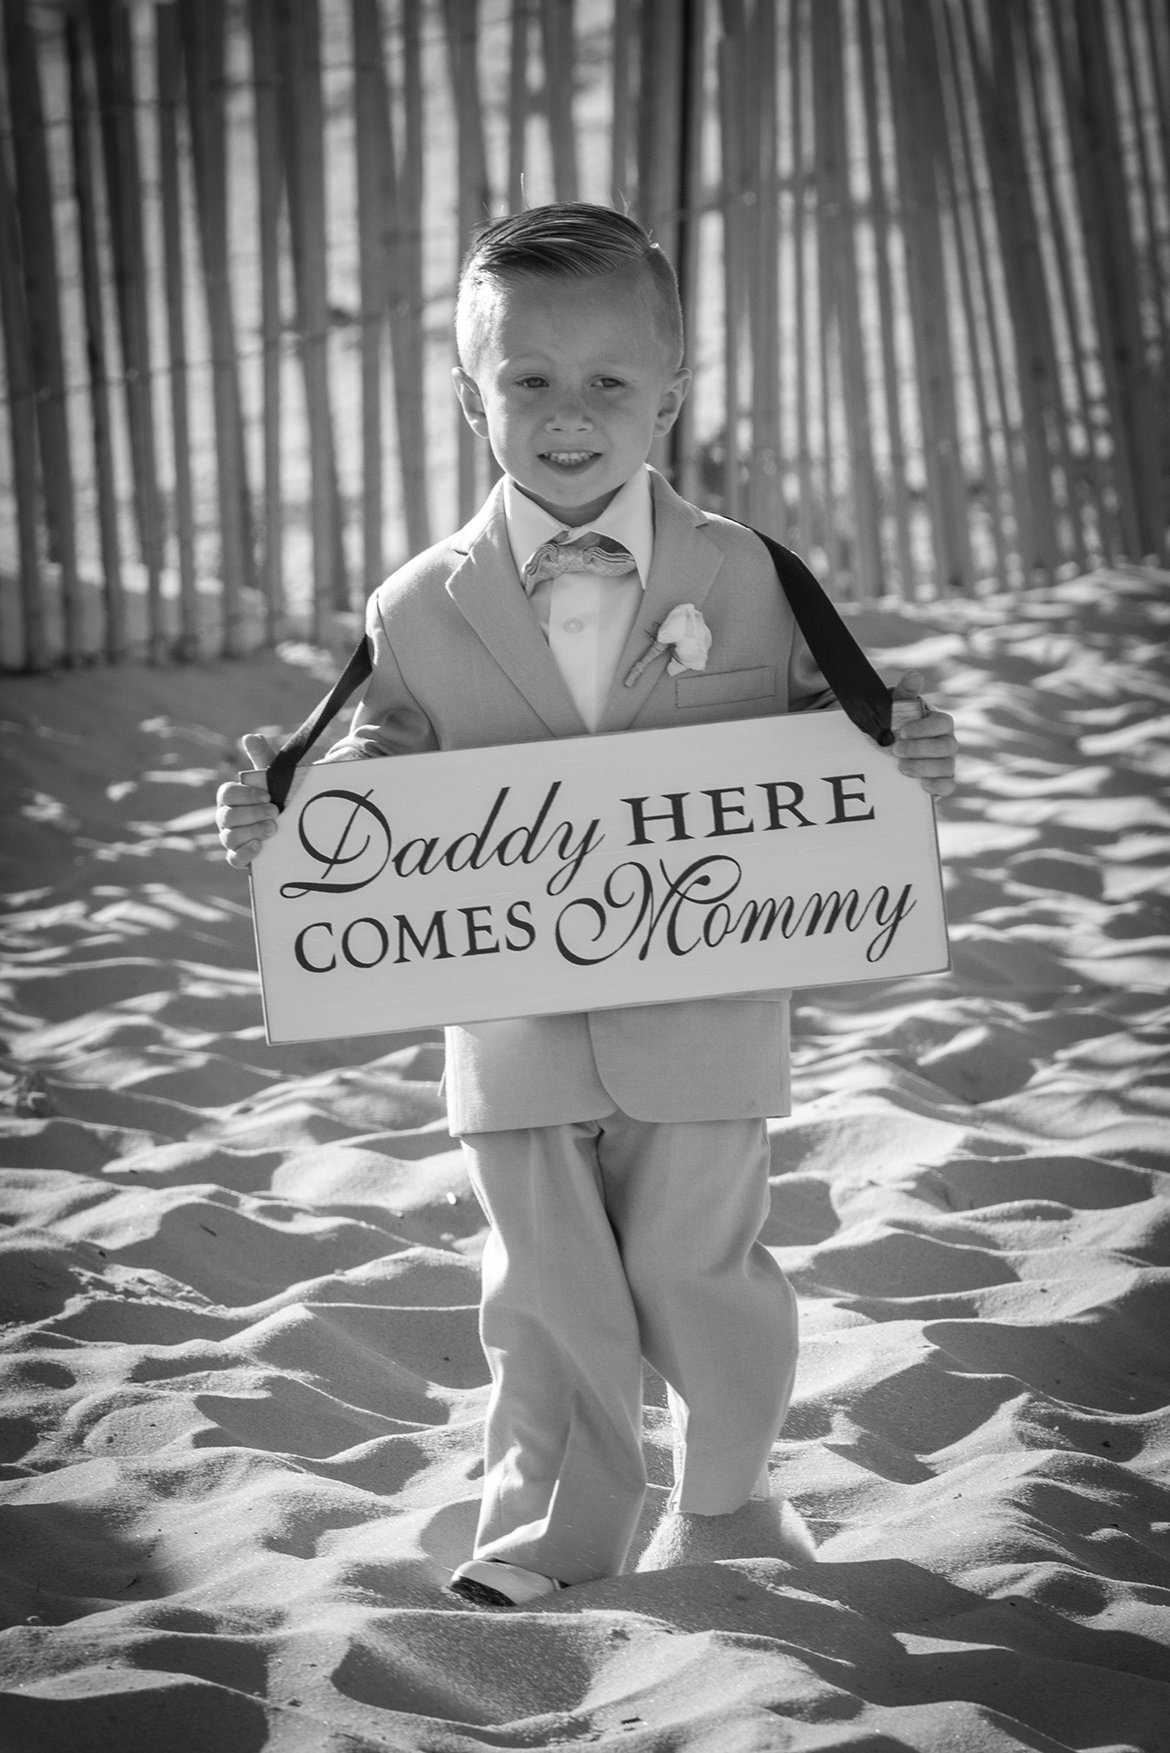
(532, 383)
(610, 383)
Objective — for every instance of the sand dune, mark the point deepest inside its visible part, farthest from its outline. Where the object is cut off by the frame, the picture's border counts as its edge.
(240, 1384)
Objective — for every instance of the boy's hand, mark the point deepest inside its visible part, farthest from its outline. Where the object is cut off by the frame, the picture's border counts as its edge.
(244, 815)
(926, 747)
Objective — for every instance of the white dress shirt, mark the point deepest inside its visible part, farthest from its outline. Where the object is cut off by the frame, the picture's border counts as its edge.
(585, 616)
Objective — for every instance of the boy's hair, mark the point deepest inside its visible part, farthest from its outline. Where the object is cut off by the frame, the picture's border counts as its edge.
(570, 240)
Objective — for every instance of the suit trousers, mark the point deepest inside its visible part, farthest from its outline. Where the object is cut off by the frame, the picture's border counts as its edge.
(611, 1241)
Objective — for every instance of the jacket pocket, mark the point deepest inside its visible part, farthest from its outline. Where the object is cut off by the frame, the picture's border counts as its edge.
(723, 686)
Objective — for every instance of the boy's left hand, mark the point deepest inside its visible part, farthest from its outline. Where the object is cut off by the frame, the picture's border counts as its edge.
(926, 747)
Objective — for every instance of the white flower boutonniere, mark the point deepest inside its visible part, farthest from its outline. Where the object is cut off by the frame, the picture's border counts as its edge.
(687, 637)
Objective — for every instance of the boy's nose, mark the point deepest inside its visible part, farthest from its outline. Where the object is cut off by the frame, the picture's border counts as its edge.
(569, 417)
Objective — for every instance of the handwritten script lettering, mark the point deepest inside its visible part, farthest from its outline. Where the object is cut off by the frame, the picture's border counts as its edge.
(345, 831)
(693, 909)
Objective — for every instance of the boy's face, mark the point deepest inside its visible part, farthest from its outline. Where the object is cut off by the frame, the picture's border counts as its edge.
(572, 385)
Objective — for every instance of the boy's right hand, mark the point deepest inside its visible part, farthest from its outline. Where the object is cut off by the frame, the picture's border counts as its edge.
(245, 815)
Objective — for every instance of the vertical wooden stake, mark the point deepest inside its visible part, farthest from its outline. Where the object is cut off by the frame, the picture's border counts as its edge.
(113, 59)
(406, 291)
(1137, 436)
(827, 342)
(680, 447)
(302, 128)
(1157, 43)
(995, 82)
(624, 20)
(1146, 182)
(660, 86)
(266, 75)
(947, 160)
(376, 201)
(169, 73)
(518, 104)
(763, 285)
(461, 19)
(81, 127)
(556, 31)
(203, 25)
(879, 206)
(985, 245)
(1032, 71)
(34, 200)
(914, 70)
(828, 220)
(1048, 296)
(732, 50)
(840, 261)
(809, 526)
(34, 649)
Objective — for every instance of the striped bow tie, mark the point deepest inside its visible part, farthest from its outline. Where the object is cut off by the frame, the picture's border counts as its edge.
(590, 553)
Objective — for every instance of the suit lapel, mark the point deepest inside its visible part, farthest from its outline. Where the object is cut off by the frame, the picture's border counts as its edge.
(683, 569)
(485, 589)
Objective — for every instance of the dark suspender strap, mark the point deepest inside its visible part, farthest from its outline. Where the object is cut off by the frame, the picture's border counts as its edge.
(284, 765)
(853, 679)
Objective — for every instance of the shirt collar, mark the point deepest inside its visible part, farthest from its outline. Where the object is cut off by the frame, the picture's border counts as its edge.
(628, 518)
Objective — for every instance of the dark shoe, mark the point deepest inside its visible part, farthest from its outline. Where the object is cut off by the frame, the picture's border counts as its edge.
(478, 1594)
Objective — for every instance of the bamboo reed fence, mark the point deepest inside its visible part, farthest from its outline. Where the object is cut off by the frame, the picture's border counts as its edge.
(923, 248)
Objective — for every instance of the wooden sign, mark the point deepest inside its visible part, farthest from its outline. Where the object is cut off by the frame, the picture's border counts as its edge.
(593, 872)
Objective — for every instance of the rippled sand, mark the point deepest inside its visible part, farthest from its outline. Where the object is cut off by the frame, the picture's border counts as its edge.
(240, 1384)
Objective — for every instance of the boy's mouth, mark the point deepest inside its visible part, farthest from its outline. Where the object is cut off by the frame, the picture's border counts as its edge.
(569, 459)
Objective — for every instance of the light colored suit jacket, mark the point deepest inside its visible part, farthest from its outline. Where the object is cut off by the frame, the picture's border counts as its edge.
(460, 662)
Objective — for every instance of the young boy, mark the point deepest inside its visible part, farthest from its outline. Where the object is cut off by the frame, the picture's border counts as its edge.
(620, 1156)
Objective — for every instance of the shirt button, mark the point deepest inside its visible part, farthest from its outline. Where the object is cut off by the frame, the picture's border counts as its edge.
(573, 625)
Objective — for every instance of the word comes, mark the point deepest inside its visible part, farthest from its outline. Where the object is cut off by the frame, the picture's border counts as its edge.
(367, 942)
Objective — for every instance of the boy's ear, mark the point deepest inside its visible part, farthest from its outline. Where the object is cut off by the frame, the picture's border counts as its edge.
(470, 401)
(673, 397)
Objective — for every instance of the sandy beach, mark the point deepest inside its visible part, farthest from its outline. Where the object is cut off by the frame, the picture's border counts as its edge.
(241, 1390)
